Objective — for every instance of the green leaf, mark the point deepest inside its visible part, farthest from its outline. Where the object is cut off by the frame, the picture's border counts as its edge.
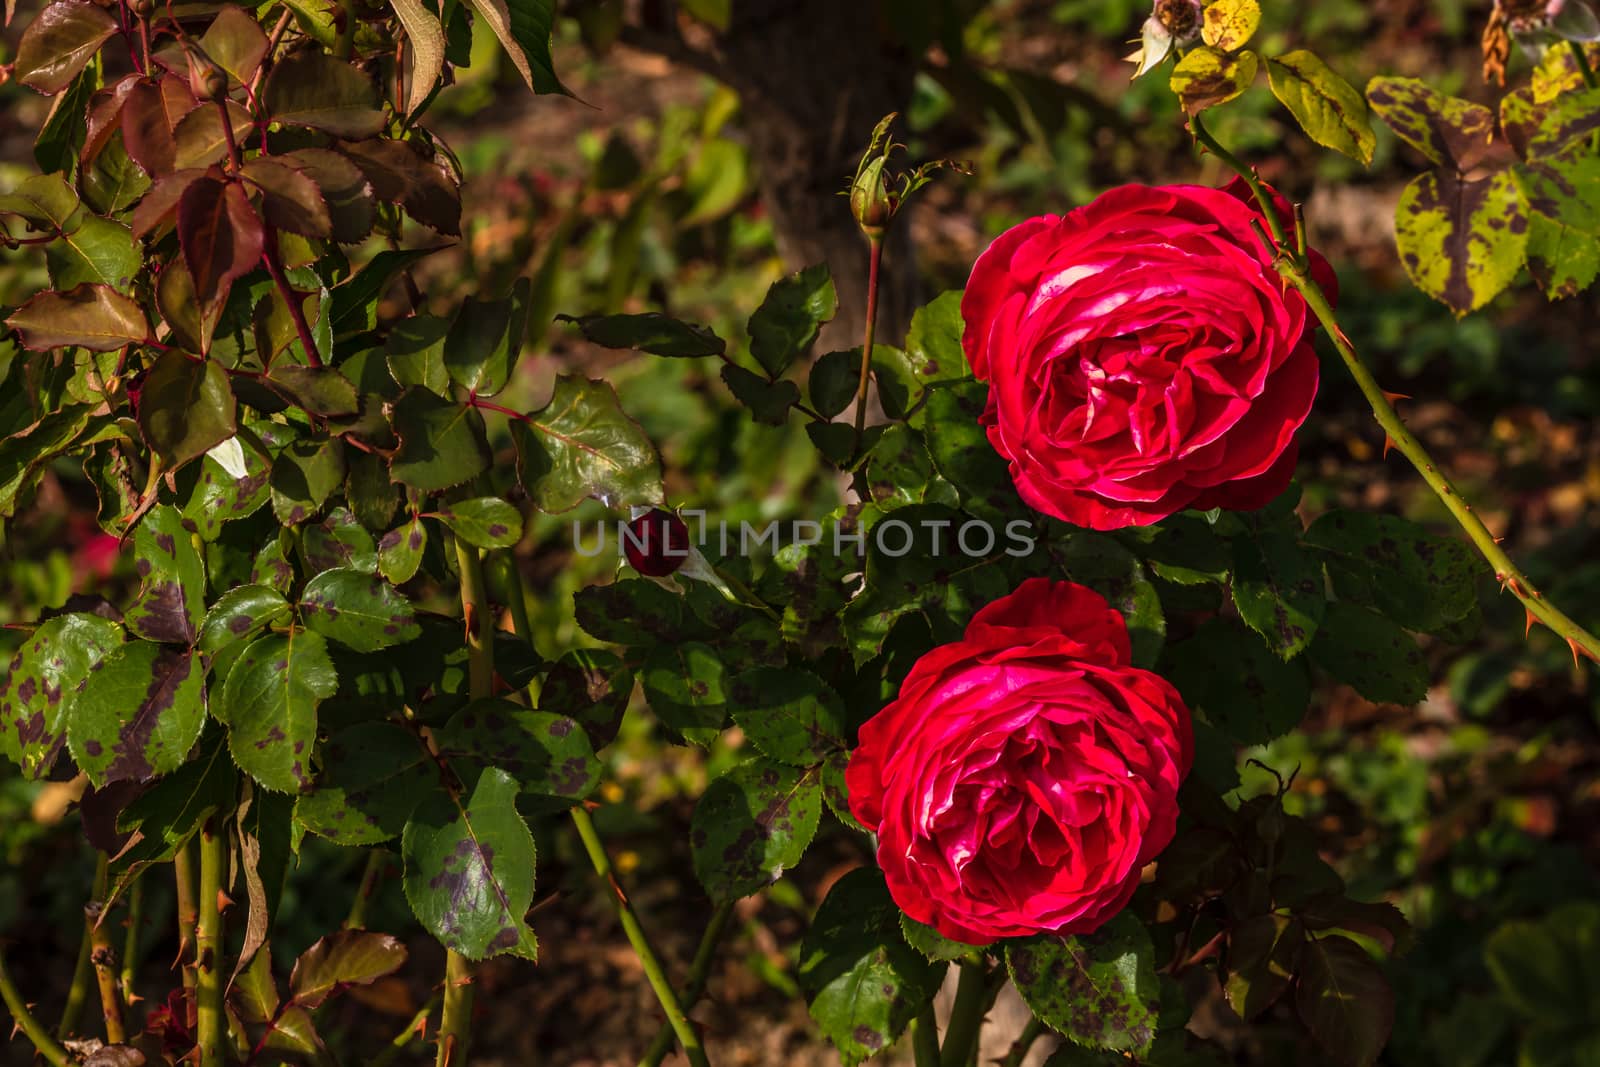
(1098, 989)
(932, 354)
(311, 88)
(1345, 1001)
(1561, 186)
(400, 551)
(1462, 241)
(1257, 698)
(684, 684)
(582, 444)
(1372, 654)
(1229, 24)
(900, 472)
(219, 496)
(1443, 128)
(358, 609)
(652, 332)
(97, 251)
(1262, 954)
(634, 611)
(790, 715)
(337, 541)
(592, 687)
(961, 450)
(441, 442)
(1277, 587)
(932, 944)
(138, 713)
(549, 755)
(96, 317)
(1563, 260)
(486, 522)
(40, 685)
(752, 824)
(768, 401)
(342, 959)
(1545, 969)
(1103, 565)
(485, 340)
(469, 869)
(1398, 569)
(354, 302)
(372, 776)
(833, 381)
(862, 982)
(239, 614)
(523, 27)
(786, 324)
(171, 601)
(170, 812)
(1326, 106)
(59, 43)
(269, 704)
(186, 408)
(415, 347)
(271, 567)
(319, 390)
(1206, 77)
(303, 476)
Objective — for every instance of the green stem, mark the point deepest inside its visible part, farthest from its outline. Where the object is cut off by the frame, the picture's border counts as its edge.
(414, 1029)
(1584, 70)
(188, 922)
(104, 958)
(377, 860)
(211, 1024)
(455, 1023)
(1019, 1048)
(966, 1017)
(875, 257)
(78, 992)
(131, 942)
(688, 1036)
(1296, 271)
(695, 985)
(925, 1038)
(31, 1028)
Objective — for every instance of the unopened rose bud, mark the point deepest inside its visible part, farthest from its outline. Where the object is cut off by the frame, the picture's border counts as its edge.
(870, 200)
(142, 8)
(207, 81)
(656, 543)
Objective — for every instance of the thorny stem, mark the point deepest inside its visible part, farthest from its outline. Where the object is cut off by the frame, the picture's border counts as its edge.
(377, 860)
(416, 1028)
(455, 1022)
(875, 257)
(104, 958)
(1584, 70)
(966, 1016)
(1019, 1048)
(1296, 271)
(211, 1025)
(78, 992)
(188, 921)
(31, 1028)
(130, 944)
(688, 1036)
(925, 1038)
(695, 984)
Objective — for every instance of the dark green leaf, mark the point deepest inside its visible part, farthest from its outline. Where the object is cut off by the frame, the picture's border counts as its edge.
(1371, 653)
(582, 444)
(1345, 1001)
(355, 300)
(961, 451)
(768, 401)
(523, 27)
(358, 609)
(1545, 969)
(752, 824)
(186, 408)
(415, 349)
(1277, 587)
(303, 475)
(1257, 698)
(485, 340)
(785, 326)
(548, 754)
(1097, 561)
(684, 683)
(170, 812)
(486, 522)
(138, 713)
(319, 390)
(337, 541)
(633, 611)
(98, 251)
(312, 88)
(441, 442)
(791, 716)
(653, 332)
(592, 687)
(932, 354)
(373, 774)
(1262, 954)
(834, 379)
(1099, 989)
(1397, 568)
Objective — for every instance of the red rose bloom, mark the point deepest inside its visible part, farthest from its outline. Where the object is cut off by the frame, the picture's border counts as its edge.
(1143, 354)
(1026, 773)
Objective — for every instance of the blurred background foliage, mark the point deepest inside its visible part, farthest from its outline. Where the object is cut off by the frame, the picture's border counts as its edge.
(1476, 811)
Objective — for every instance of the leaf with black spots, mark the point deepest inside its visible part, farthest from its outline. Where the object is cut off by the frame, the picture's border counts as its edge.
(790, 715)
(341, 960)
(220, 496)
(138, 713)
(1277, 586)
(39, 687)
(1409, 576)
(1259, 697)
(1345, 1001)
(337, 541)
(400, 551)
(1443, 128)
(372, 776)
(59, 43)
(652, 332)
(186, 407)
(752, 824)
(1371, 653)
(91, 316)
(684, 684)
(633, 611)
(786, 324)
(358, 609)
(441, 442)
(1326, 106)
(582, 444)
(486, 522)
(221, 236)
(592, 687)
(171, 601)
(1205, 77)
(469, 864)
(269, 704)
(1099, 989)
(170, 811)
(548, 754)
(239, 614)
(934, 945)
(303, 476)
(271, 567)
(1461, 240)
(863, 983)
(312, 88)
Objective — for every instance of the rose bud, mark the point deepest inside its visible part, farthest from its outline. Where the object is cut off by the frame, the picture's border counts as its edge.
(656, 543)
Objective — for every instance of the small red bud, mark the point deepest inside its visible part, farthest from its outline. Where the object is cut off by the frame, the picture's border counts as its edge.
(656, 543)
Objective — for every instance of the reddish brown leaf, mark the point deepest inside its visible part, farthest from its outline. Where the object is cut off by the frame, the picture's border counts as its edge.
(60, 43)
(90, 316)
(192, 325)
(401, 175)
(160, 204)
(312, 88)
(146, 130)
(221, 236)
(345, 190)
(105, 116)
(235, 43)
(201, 139)
(290, 200)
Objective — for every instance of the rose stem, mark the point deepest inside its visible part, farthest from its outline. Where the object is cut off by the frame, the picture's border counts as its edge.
(377, 860)
(455, 1022)
(104, 958)
(875, 256)
(130, 944)
(1024, 1042)
(78, 992)
(188, 921)
(925, 1038)
(211, 1025)
(677, 1018)
(695, 984)
(1584, 70)
(1298, 274)
(30, 1027)
(416, 1028)
(966, 1017)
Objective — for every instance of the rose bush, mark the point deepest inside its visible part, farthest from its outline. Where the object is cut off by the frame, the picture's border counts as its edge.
(1026, 773)
(1143, 355)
